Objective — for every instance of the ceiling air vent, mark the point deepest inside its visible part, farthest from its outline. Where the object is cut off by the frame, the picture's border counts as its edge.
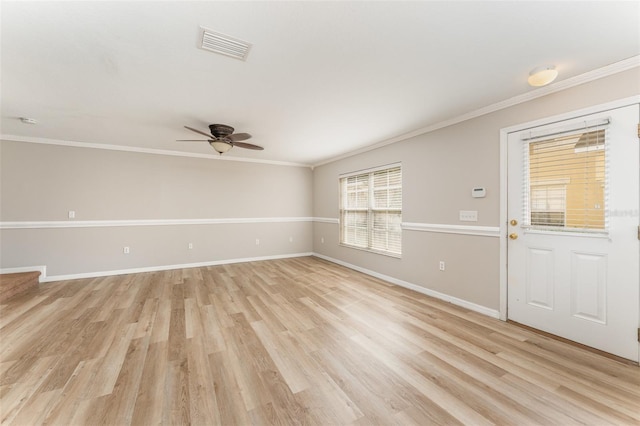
(223, 44)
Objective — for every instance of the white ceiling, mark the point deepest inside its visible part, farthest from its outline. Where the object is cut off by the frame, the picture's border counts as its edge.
(322, 78)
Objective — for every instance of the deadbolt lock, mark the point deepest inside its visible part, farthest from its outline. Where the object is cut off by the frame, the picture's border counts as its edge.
(513, 222)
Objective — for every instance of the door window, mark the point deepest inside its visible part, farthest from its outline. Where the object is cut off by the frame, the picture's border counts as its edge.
(565, 182)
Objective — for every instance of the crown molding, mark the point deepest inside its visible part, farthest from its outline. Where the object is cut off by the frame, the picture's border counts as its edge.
(587, 77)
(599, 73)
(140, 150)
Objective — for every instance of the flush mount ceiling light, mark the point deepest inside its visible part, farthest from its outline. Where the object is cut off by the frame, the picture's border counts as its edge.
(541, 76)
(27, 120)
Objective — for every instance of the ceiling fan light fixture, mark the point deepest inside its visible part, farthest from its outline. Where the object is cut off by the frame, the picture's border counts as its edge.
(541, 76)
(220, 146)
(222, 138)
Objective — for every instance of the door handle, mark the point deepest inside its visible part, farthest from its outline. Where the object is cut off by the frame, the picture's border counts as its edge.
(513, 236)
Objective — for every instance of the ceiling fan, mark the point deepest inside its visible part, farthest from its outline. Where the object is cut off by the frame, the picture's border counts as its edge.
(222, 138)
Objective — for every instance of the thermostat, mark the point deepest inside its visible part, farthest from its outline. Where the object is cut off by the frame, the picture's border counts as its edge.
(478, 192)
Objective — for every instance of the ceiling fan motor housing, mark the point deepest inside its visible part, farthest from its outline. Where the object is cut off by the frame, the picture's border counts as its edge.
(220, 130)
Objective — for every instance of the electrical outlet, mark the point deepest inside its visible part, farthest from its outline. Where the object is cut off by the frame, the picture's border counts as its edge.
(190, 246)
(442, 265)
(125, 250)
(322, 240)
(72, 214)
(290, 239)
(257, 242)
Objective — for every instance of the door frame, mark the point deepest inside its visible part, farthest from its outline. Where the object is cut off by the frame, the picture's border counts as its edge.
(504, 137)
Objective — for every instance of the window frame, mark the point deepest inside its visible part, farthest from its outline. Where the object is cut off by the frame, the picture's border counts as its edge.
(370, 210)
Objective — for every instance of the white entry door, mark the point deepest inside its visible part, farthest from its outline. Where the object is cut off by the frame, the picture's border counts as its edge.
(573, 250)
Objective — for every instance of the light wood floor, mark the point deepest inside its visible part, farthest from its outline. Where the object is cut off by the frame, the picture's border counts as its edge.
(287, 342)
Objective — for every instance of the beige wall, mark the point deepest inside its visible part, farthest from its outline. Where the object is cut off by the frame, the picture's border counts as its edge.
(43, 182)
(439, 170)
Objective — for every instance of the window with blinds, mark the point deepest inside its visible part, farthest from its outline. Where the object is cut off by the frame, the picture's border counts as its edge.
(566, 181)
(371, 210)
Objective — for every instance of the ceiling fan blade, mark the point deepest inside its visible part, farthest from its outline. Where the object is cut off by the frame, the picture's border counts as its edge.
(198, 131)
(237, 137)
(248, 146)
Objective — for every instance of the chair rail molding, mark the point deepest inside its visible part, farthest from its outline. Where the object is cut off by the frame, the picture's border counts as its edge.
(146, 222)
(484, 231)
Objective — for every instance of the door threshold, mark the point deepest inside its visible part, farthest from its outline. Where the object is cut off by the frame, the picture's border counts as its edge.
(575, 344)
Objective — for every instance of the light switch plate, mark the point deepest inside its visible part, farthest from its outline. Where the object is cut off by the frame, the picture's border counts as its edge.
(469, 215)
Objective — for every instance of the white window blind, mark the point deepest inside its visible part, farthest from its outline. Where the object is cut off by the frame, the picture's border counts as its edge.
(565, 181)
(371, 210)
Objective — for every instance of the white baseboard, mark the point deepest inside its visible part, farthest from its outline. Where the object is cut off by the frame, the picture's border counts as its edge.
(451, 299)
(40, 268)
(168, 267)
(456, 301)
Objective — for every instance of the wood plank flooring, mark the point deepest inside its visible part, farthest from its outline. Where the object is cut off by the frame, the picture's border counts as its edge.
(12, 285)
(295, 341)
